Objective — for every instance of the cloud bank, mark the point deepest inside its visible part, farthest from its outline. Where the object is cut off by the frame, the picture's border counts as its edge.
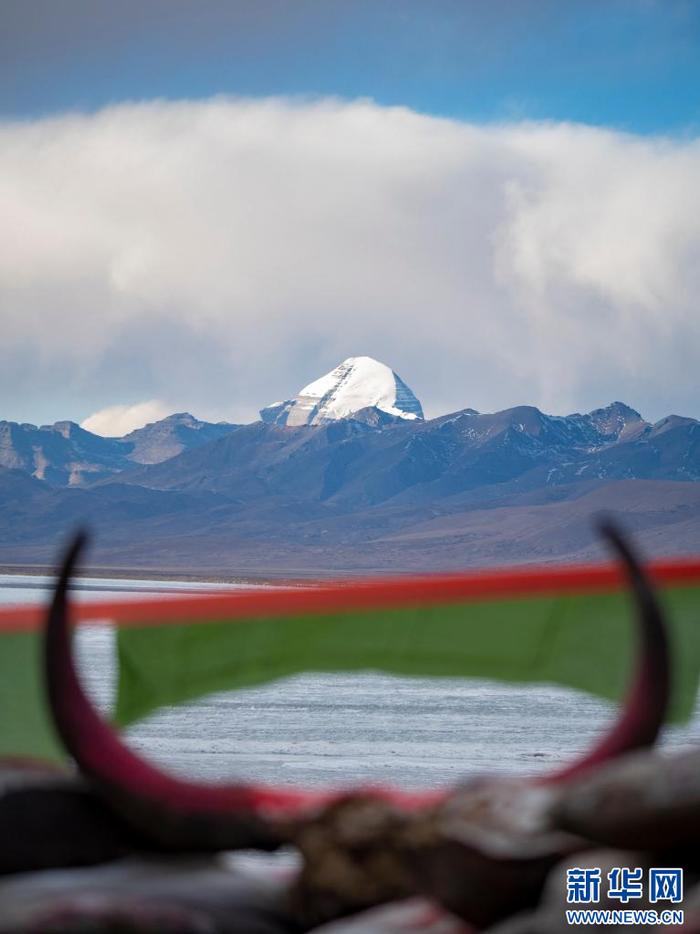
(221, 254)
(118, 420)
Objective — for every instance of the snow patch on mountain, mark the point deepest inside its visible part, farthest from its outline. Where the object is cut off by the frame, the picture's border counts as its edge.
(617, 421)
(357, 383)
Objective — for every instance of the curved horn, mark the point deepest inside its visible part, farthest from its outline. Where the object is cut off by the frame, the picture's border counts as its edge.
(183, 814)
(175, 812)
(644, 709)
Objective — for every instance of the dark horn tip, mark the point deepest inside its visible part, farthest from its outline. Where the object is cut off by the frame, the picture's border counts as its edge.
(76, 545)
(78, 542)
(611, 530)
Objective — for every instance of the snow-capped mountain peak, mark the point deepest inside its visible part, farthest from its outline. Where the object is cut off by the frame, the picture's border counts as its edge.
(357, 383)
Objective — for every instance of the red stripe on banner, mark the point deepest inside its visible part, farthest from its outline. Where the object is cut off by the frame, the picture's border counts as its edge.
(377, 593)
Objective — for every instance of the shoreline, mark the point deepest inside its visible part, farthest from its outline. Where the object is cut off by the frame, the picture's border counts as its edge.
(164, 576)
(290, 576)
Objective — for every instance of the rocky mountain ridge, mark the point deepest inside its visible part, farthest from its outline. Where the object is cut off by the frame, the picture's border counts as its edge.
(359, 492)
(614, 441)
(64, 454)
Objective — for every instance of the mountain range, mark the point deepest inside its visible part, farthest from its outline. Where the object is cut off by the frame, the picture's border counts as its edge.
(348, 477)
(64, 454)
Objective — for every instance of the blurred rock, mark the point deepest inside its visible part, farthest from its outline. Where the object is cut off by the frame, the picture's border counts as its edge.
(174, 895)
(353, 859)
(50, 818)
(644, 800)
(406, 917)
(485, 852)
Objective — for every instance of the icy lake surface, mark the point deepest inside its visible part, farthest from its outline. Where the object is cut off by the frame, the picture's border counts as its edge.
(330, 730)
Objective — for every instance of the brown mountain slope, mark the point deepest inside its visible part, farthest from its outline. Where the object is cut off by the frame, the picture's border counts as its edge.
(664, 515)
(225, 541)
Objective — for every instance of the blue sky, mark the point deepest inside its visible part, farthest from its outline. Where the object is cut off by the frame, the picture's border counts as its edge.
(630, 64)
(207, 205)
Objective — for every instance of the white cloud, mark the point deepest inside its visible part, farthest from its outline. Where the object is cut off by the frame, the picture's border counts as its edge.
(223, 253)
(118, 420)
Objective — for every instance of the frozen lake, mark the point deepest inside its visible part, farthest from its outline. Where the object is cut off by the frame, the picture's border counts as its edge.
(332, 729)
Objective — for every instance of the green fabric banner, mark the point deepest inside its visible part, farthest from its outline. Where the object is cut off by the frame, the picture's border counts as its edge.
(25, 727)
(569, 627)
(580, 641)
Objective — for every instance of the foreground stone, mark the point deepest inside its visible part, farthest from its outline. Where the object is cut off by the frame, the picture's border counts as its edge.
(51, 818)
(148, 896)
(406, 917)
(645, 800)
